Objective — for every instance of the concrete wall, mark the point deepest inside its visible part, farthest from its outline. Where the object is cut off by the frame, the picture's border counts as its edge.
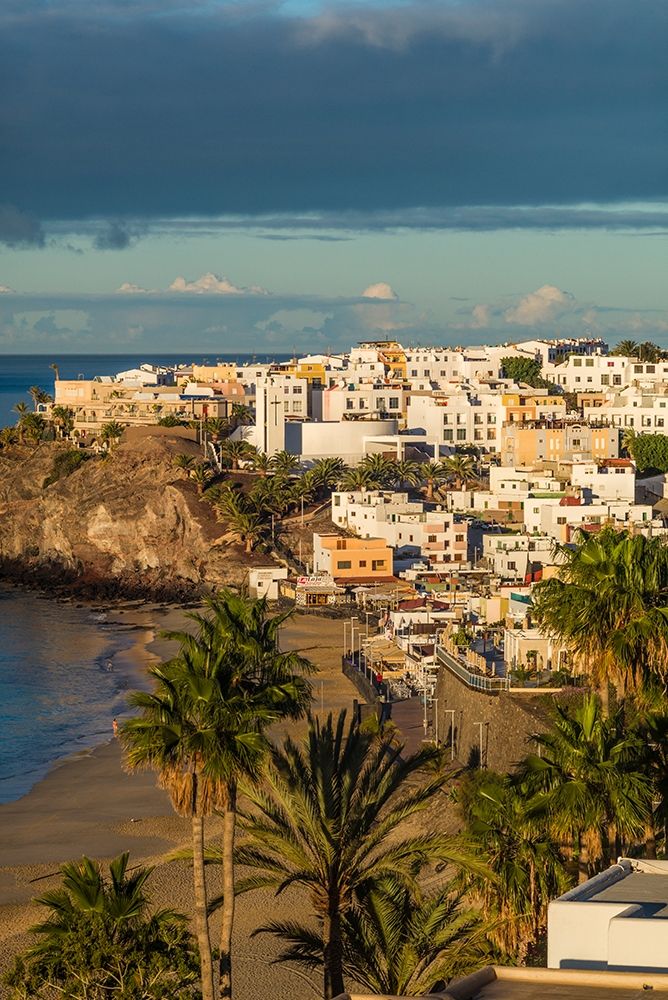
(509, 721)
(334, 439)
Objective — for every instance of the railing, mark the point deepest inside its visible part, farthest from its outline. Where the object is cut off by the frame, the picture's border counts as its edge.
(476, 681)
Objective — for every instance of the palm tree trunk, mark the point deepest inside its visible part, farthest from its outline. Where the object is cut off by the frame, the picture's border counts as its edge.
(650, 839)
(201, 919)
(583, 862)
(225, 965)
(333, 953)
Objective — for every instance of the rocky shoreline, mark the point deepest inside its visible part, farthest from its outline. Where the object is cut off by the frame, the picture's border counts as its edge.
(128, 526)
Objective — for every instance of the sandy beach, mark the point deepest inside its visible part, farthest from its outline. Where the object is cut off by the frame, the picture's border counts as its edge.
(88, 805)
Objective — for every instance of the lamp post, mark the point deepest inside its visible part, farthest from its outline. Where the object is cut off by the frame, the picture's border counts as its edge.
(434, 702)
(451, 713)
(345, 629)
(353, 619)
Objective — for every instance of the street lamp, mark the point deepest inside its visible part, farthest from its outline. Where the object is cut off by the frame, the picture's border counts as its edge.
(434, 702)
(451, 713)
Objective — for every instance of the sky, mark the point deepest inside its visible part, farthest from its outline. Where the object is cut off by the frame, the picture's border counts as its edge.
(249, 175)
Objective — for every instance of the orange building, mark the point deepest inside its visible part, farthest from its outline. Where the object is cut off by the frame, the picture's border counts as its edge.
(352, 560)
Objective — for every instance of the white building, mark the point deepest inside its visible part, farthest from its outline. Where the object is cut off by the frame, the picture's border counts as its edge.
(615, 921)
(609, 479)
(414, 533)
(558, 517)
(465, 414)
(514, 556)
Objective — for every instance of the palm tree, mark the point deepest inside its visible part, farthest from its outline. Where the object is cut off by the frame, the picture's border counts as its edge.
(433, 475)
(284, 463)
(217, 428)
(62, 417)
(609, 607)
(8, 437)
(328, 818)
(274, 685)
(201, 475)
(649, 352)
(399, 940)
(56, 370)
(99, 931)
(241, 414)
(407, 473)
(460, 468)
(173, 737)
(262, 464)
(626, 349)
(33, 426)
(39, 395)
(590, 771)
(326, 473)
(111, 432)
(512, 829)
(248, 526)
(382, 470)
(234, 452)
(182, 461)
(22, 409)
(358, 478)
(629, 438)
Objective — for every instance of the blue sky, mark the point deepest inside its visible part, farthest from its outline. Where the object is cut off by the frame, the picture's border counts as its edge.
(437, 171)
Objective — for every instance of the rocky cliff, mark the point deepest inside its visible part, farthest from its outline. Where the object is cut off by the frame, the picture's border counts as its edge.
(130, 523)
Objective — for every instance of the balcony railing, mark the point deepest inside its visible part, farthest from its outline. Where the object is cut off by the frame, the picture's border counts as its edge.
(476, 681)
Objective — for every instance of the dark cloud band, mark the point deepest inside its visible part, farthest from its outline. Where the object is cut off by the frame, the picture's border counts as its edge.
(118, 110)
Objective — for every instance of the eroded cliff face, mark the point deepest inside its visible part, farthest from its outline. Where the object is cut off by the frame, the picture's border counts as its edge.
(129, 524)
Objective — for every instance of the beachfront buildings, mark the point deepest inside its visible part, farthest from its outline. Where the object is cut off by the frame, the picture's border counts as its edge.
(352, 560)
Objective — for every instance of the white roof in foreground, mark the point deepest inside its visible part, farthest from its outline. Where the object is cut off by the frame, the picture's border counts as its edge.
(616, 920)
(504, 983)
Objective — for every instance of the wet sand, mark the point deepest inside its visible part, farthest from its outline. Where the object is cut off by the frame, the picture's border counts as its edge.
(88, 805)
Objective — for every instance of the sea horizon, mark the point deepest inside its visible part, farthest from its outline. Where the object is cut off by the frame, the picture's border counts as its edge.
(18, 372)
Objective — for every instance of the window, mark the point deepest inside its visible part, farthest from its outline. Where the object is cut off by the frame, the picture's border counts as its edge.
(297, 390)
(446, 419)
(589, 363)
(377, 564)
(616, 379)
(512, 565)
(336, 500)
(650, 369)
(561, 520)
(297, 406)
(431, 538)
(344, 564)
(491, 418)
(394, 402)
(459, 538)
(637, 369)
(349, 404)
(447, 434)
(577, 362)
(362, 563)
(605, 380)
(461, 434)
(414, 373)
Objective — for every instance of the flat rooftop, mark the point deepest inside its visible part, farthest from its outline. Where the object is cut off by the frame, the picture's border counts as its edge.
(504, 983)
(648, 890)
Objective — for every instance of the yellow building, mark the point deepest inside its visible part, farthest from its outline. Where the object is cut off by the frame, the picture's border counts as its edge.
(313, 372)
(220, 372)
(556, 442)
(523, 407)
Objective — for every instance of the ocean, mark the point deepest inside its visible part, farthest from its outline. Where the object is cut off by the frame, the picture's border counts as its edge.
(18, 372)
(61, 684)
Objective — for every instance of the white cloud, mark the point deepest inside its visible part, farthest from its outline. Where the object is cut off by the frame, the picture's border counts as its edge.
(481, 317)
(381, 290)
(6, 290)
(128, 288)
(539, 307)
(211, 284)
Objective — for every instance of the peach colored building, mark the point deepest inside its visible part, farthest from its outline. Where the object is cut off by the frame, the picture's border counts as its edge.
(352, 560)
